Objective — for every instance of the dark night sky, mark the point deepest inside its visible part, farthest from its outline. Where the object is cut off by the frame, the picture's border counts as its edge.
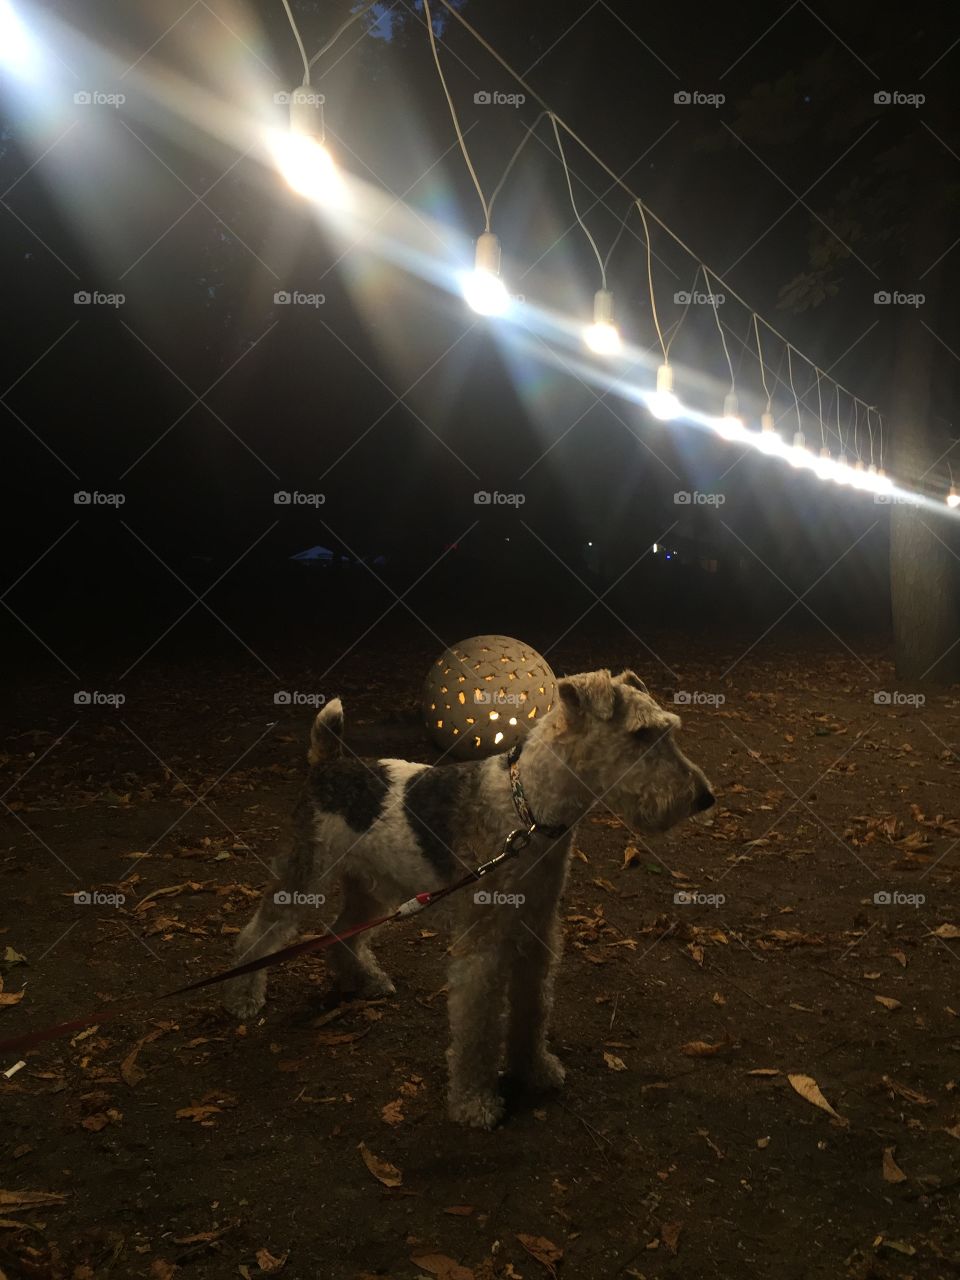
(295, 389)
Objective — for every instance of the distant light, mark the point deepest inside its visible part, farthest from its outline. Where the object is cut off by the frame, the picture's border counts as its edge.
(824, 466)
(589, 544)
(483, 289)
(17, 50)
(662, 403)
(603, 336)
(730, 426)
(656, 547)
(953, 498)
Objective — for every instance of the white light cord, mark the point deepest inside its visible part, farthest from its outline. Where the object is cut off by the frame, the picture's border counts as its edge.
(513, 159)
(653, 297)
(296, 32)
(676, 328)
(723, 339)
(453, 113)
(763, 376)
(573, 203)
(796, 399)
(340, 30)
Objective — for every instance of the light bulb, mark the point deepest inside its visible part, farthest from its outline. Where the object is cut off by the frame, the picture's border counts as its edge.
(953, 498)
(603, 336)
(730, 426)
(768, 439)
(662, 403)
(798, 456)
(301, 154)
(842, 473)
(823, 467)
(483, 289)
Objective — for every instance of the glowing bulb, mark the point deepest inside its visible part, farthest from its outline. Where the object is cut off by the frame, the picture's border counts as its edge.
(823, 467)
(603, 336)
(483, 289)
(730, 426)
(16, 48)
(662, 403)
(767, 439)
(308, 167)
(953, 498)
(842, 473)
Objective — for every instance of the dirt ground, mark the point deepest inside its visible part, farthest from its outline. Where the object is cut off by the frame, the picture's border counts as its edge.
(766, 1086)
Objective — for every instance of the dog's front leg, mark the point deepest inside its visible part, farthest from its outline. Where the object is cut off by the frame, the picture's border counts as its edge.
(534, 955)
(475, 1006)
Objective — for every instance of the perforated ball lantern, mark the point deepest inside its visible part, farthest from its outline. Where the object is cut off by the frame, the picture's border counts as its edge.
(484, 694)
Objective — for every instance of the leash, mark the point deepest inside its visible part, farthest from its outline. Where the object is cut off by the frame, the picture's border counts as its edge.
(513, 844)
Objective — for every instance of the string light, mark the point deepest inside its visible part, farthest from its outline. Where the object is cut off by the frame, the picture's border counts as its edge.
(662, 403)
(483, 289)
(603, 336)
(953, 498)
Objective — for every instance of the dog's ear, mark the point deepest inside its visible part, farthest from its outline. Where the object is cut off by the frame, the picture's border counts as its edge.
(591, 693)
(633, 680)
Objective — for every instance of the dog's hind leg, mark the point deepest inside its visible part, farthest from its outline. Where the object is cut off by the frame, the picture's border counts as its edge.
(352, 963)
(275, 924)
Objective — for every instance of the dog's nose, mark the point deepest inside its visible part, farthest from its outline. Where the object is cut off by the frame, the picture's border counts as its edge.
(705, 799)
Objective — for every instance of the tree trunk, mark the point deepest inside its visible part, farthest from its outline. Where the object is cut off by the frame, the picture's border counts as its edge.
(924, 569)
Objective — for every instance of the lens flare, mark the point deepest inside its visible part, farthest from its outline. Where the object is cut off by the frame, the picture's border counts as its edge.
(308, 167)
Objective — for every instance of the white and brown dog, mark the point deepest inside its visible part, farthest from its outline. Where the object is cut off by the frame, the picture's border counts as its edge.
(388, 830)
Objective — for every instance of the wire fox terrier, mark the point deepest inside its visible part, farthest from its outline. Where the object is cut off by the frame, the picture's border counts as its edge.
(390, 829)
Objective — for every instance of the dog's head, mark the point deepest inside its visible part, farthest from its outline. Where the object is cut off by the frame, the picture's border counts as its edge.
(622, 745)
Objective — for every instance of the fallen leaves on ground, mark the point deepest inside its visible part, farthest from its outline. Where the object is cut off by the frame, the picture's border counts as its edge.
(439, 1265)
(542, 1250)
(267, 1262)
(382, 1170)
(703, 1049)
(13, 1201)
(808, 1089)
(392, 1113)
(888, 1002)
(670, 1235)
(891, 1170)
(614, 1063)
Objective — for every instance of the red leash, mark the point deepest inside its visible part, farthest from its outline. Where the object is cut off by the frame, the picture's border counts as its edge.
(512, 845)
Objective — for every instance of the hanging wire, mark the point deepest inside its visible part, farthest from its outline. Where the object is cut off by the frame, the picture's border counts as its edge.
(573, 203)
(686, 308)
(616, 238)
(763, 376)
(513, 159)
(870, 429)
(880, 422)
(653, 297)
(297, 37)
(796, 399)
(341, 29)
(823, 438)
(453, 113)
(723, 339)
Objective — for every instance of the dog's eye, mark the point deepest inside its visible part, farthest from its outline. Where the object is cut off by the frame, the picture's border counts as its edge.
(647, 736)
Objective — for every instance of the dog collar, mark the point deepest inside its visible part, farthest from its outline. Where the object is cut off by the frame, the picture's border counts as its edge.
(553, 831)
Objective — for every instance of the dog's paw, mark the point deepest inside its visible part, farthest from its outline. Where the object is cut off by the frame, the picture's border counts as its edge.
(479, 1110)
(546, 1071)
(244, 1003)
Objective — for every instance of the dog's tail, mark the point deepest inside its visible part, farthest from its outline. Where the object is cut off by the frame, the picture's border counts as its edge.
(326, 734)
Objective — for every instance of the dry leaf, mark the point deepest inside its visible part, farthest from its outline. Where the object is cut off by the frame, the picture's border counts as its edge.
(701, 1048)
(386, 1173)
(891, 1170)
(670, 1234)
(460, 1210)
(947, 931)
(267, 1262)
(439, 1265)
(542, 1250)
(764, 1071)
(96, 1122)
(614, 1063)
(161, 1269)
(808, 1088)
(904, 1091)
(393, 1112)
(30, 1199)
(888, 1002)
(198, 1112)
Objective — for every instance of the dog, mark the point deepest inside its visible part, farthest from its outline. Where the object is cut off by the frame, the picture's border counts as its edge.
(391, 829)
